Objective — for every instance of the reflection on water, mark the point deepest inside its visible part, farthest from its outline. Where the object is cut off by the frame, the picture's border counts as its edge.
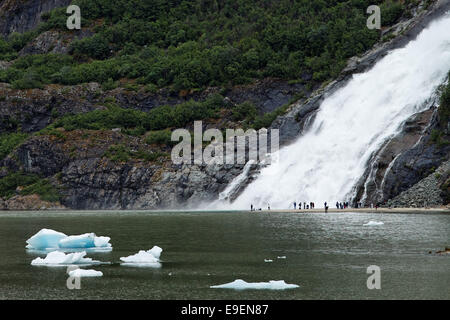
(327, 255)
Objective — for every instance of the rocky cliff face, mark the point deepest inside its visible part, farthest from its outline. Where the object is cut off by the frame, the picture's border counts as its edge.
(404, 160)
(77, 162)
(34, 109)
(430, 191)
(24, 15)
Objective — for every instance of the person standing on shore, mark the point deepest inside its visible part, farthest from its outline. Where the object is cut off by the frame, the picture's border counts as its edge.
(295, 205)
(299, 205)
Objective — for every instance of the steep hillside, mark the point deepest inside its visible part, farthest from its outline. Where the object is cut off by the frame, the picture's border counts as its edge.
(86, 115)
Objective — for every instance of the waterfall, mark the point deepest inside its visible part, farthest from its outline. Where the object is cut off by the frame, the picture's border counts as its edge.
(326, 162)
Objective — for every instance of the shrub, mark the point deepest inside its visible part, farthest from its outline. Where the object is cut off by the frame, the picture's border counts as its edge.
(32, 185)
(244, 111)
(156, 119)
(160, 137)
(8, 141)
(44, 189)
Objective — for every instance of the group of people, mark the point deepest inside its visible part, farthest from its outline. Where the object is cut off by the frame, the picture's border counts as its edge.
(305, 205)
(252, 208)
(311, 205)
(345, 205)
(341, 205)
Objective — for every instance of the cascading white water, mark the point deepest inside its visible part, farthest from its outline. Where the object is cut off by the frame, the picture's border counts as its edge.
(326, 162)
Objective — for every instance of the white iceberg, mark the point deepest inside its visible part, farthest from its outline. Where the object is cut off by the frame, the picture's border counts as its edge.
(78, 273)
(268, 260)
(58, 258)
(47, 240)
(102, 242)
(281, 257)
(240, 284)
(144, 258)
(373, 223)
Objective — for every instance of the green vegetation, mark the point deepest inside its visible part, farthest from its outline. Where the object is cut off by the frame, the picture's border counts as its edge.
(444, 108)
(121, 153)
(31, 184)
(266, 120)
(189, 44)
(8, 141)
(44, 189)
(160, 137)
(244, 111)
(441, 135)
(446, 191)
(156, 119)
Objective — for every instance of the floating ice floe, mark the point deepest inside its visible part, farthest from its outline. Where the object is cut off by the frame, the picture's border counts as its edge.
(58, 258)
(48, 240)
(281, 257)
(45, 238)
(268, 260)
(149, 258)
(240, 284)
(373, 223)
(77, 273)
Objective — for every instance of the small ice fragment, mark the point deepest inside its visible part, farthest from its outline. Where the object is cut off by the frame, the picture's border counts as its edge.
(60, 258)
(85, 273)
(240, 284)
(140, 257)
(144, 258)
(373, 223)
(45, 238)
(281, 257)
(268, 260)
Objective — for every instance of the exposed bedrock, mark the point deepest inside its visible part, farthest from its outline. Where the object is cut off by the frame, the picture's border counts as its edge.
(24, 15)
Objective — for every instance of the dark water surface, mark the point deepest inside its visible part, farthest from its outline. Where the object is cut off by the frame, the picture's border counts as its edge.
(327, 255)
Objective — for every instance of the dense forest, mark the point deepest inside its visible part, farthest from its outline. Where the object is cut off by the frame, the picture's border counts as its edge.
(194, 44)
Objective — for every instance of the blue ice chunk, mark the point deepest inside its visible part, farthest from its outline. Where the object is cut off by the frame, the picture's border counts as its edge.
(86, 240)
(46, 238)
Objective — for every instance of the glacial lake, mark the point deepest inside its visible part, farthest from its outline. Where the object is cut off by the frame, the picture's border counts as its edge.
(327, 255)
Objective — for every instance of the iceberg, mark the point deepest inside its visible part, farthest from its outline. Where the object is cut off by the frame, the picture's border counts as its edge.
(87, 240)
(240, 284)
(45, 239)
(58, 258)
(78, 273)
(102, 242)
(48, 239)
(281, 257)
(144, 258)
(373, 223)
(268, 260)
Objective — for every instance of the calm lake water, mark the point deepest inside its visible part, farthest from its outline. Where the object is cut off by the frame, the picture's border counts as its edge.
(327, 255)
